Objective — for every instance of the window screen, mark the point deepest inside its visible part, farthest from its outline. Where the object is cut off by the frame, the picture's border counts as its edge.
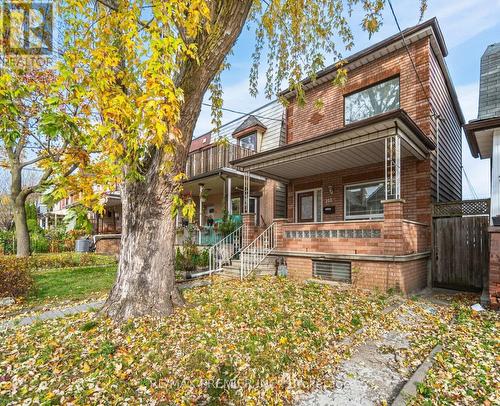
(249, 142)
(374, 100)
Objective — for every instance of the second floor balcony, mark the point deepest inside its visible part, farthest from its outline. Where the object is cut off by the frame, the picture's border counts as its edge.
(214, 157)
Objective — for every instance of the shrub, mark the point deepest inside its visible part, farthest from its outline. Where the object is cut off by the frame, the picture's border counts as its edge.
(228, 224)
(189, 258)
(68, 260)
(15, 278)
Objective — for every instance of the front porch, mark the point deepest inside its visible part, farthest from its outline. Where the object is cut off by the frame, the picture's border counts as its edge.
(358, 203)
(216, 195)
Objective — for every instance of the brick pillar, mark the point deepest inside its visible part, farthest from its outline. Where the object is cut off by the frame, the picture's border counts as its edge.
(491, 289)
(249, 228)
(279, 231)
(392, 231)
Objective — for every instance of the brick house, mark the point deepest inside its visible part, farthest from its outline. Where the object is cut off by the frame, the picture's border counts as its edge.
(483, 136)
(360, 168)
(342, 189)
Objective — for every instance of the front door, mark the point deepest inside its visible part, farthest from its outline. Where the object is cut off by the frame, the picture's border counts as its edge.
(253, 209)
(305, 207)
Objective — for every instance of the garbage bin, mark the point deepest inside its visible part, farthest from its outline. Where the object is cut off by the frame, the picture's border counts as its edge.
(82, 245)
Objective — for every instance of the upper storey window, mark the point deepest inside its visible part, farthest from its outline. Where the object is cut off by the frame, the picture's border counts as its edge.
(249, 141)
(371, 101)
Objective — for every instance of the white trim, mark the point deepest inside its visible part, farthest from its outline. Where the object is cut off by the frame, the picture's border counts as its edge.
(361, 216)
(229, 201)
(315, 209)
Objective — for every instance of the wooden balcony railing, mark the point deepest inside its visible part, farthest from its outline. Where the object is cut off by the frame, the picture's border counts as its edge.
(213, 158)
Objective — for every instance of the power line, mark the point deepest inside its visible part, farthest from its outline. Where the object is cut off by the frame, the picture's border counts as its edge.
(243, 113)
(411, 58)
(469, 183)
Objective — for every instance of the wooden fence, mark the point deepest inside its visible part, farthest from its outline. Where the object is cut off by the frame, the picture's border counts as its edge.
(460, 246)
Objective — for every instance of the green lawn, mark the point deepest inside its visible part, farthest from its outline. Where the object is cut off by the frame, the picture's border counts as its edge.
(72, 284)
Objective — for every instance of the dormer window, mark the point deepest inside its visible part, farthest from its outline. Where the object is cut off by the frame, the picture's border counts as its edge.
(249, 133)
(377, 99)
(249, 141)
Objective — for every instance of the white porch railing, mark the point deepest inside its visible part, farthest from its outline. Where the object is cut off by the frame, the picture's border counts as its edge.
(222, 252)
(254, 253)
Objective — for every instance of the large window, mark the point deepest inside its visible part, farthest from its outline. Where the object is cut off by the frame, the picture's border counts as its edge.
(249, 142)
(374, 100)
(363, 201)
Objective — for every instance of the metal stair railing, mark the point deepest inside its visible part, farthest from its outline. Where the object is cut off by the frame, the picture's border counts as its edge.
(221, 253)
(254, 253)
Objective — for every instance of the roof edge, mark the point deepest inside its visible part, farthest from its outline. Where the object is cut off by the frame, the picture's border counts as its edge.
(432, 22)
(478, 125)
(392, 115)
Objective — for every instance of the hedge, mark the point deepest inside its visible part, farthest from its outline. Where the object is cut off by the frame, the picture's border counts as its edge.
(15, 277)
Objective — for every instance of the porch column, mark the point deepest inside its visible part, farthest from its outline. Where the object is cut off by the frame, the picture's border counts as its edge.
(246, 192)
(392, 168)
(229, 205)
(249, 228)
(393, 232)
(200, 214)
(279, 223)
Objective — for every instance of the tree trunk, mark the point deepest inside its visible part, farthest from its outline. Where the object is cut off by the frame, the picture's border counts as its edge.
(18, 198)
(145, 284)
(22, 233)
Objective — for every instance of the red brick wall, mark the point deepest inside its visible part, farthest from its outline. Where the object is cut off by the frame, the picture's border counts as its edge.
(415, 188)
(299, 268)
(368, 245)
(309, 121)
(494, 273)
(406, 277)
(416, 237)
(108, 246)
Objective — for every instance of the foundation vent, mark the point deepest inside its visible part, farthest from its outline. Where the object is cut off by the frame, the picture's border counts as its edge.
(332, 271)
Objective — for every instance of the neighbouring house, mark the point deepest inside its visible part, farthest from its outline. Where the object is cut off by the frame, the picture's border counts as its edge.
(216, 186)
(361, 168)
(483, 136)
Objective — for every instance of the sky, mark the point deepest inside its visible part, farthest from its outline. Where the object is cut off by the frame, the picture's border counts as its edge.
(468, 26)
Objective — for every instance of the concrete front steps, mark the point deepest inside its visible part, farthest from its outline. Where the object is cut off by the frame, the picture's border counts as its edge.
(265, 268)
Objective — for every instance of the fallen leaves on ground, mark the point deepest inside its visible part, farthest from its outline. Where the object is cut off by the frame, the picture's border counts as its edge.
(466, 371)
(252, 342)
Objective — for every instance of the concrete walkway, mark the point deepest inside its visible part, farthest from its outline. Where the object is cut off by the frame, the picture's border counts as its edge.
(51, 314)
(55, 313)
(372, 375)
